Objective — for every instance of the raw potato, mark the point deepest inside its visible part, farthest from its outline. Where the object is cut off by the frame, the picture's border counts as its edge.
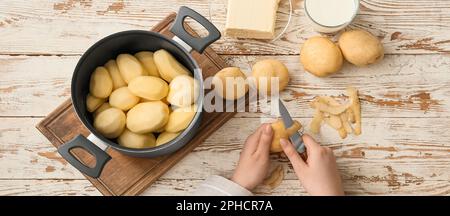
(360, 47)
(279, 131)
(101, 84)
(149, 87)
(146, 59)
(180, 119)
(93, 103)
(110, 123)
(136, 141)
(320, 56)
(114, 72)
(264, 70)
(102, 108)
(168, 66)
(164, 100)
(230, 83)
(129, 67)
(183, 91)
(123, 99)
(147, 117)
(166, 137)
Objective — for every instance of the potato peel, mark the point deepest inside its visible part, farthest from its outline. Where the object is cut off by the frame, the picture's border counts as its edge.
(356, 108)
(275, 178)
(338, 116)
(316, 122)
(322, 105)
(334, 122)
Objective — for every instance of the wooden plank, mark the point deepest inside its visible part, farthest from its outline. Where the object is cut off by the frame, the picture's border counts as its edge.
(70, 27)
(399, 86)
(187, 187)
(389, 148)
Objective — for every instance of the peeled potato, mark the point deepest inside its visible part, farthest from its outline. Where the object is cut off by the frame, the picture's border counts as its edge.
(146, 59)
(102, 108)
(263, 72)
(183, 91)
(168, 66)
(114, 72)
(149, 87)
(93, 103)
(360, 47)
(320, 56)
(147, 117)
(123, 99)
(101, 84)
(137, 141)
(110, 123)
(230, 83)
(129, 67)
(180, 119)
(166, 137)
(279, 131)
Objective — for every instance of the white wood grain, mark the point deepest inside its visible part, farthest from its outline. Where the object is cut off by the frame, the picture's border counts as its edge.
(186, 187)
(390, 153)
(404, 149)
(69, 27)
(399, 86)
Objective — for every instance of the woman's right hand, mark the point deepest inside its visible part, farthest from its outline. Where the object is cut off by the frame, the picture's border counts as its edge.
(318, 174)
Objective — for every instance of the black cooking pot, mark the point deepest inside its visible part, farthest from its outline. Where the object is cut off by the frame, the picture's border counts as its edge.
(132, 42)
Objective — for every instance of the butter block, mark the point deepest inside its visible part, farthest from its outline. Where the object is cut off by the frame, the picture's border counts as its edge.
(251, 18)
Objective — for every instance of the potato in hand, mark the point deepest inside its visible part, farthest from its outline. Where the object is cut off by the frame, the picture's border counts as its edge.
(280, 131)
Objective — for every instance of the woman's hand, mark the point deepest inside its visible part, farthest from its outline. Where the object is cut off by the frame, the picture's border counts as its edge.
(254, 162)
(318, 175)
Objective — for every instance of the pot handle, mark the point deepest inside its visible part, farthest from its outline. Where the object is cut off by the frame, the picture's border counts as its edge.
(198, 44)
(101, 157)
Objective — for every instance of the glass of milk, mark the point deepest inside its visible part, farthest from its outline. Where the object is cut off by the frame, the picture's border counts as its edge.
(330, 16)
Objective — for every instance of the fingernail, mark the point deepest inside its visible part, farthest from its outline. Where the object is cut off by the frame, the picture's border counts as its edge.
(283, 142)
(268, 129)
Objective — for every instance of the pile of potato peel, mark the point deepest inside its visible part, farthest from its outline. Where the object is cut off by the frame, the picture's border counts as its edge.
(340, 116)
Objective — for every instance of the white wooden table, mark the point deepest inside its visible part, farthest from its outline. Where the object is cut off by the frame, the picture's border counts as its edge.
(404, 148)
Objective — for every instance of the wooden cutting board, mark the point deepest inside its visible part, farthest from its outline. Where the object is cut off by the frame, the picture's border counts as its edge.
(124, 175)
